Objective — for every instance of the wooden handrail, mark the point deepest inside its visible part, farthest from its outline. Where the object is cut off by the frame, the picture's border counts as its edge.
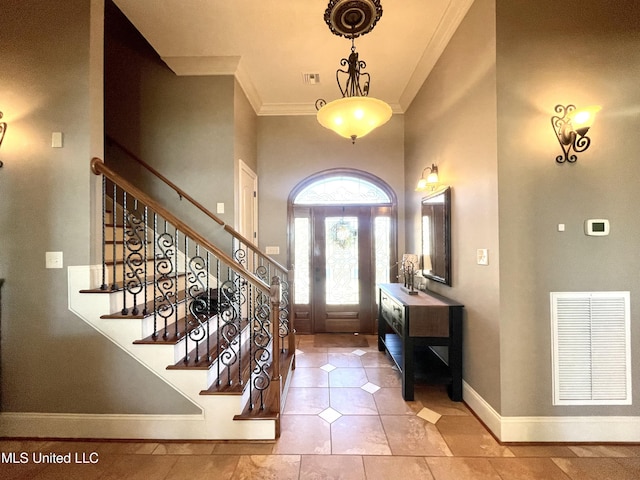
(99, 168)
(234, 233)
(177, 189)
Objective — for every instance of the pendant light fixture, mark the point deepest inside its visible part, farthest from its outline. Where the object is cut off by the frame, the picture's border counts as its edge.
(355, 114)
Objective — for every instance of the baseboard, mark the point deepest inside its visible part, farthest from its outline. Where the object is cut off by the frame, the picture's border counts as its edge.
(55, 425)
(553, 429)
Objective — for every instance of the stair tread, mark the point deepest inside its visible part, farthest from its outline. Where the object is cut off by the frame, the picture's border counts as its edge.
(232, 372)
(204, 363)
(142, 308)
(148, 280)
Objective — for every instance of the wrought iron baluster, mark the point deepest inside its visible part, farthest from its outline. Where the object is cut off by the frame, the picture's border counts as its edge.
(209, 309)
(166, 283)
(218, 322)
(145, 310)
(103, 285)
(155, 275)
(200, 299)
(175, 310)
(114, 221)
(136, 264)
(125, 234)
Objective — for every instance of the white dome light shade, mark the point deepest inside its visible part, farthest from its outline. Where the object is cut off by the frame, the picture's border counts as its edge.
(354, 117)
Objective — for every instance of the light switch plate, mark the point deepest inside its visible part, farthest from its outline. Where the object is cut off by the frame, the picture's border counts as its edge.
(483, 256)
(219, 207)
(53, 259)
(56, 140)
(272, 250)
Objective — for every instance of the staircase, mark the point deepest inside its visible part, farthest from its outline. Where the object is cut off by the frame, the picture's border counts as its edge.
(213, 323)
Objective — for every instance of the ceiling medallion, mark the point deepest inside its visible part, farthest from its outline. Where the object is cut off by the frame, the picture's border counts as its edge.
(352, 18)
(355, 114)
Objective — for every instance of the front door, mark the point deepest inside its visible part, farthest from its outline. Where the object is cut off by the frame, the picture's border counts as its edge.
(342, 279)
(342, 234)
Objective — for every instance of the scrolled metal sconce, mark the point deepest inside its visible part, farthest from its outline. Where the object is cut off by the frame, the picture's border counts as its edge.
(3, 129)
(571, 126)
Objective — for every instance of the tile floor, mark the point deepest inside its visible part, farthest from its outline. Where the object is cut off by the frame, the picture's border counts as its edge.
(344, 419)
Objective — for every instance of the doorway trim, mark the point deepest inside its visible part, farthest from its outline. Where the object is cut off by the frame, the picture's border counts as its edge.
(303, 319)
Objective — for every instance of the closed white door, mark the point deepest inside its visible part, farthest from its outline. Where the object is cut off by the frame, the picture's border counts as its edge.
(248, 203)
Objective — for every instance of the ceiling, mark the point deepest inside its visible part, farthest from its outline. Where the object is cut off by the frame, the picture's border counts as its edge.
(270, 44)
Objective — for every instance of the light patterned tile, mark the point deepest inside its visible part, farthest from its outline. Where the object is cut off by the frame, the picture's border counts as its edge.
(358, 435)
(390, 402)
(352, 401)
(330, 415)
(303, 434)
(527, 468)
(347, 377)
(467, 437)
(370, 387)
(203, 467)
(180, 448)
(385, 468)
(311, 360)
(306, 401)
(328, 367)
(243, 448)
(280, 467)
(429, 415)
(384, 377)
(344, 360)
(309, 377)
(343, 467)
(451, 468)
(604, 451)
(595, 469)
(410, 435)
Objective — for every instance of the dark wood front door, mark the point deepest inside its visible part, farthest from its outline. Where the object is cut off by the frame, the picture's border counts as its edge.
(342, 270)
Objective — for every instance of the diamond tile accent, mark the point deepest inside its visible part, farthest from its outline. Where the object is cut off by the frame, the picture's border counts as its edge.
(328, 367)
(429, 415)
(370, 387)
(330, 415)
(359, 352)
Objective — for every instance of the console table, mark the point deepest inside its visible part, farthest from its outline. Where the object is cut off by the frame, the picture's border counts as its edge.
(409, 325)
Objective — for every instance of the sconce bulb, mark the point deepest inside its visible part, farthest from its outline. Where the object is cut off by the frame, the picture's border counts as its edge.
(571, 126)
(431, 179)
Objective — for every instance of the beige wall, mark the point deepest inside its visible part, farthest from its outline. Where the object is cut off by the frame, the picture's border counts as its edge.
(51, 360)
(580, 52)
(245, 127)
(452, 123)
(292, 148)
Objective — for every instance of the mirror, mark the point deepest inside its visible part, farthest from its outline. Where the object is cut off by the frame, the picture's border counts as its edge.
(436, 233)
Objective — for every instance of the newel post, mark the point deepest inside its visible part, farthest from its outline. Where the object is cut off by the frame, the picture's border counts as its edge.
(275, 295)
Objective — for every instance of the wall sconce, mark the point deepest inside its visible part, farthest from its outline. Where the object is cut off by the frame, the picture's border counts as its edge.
(430, 181)
(3, 129)
(571, 126)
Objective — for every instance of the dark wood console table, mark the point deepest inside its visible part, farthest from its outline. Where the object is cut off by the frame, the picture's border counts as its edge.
(409, 325)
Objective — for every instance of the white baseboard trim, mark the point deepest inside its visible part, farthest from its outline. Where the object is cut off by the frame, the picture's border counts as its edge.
(552, 429)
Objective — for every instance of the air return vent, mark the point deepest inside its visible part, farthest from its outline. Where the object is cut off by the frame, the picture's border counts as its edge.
(311, 78)
(591, 348)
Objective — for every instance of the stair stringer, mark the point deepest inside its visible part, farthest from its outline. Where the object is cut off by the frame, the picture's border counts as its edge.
(216, 420)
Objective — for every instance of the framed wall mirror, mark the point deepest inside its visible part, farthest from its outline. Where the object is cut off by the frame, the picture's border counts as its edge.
(436, 236)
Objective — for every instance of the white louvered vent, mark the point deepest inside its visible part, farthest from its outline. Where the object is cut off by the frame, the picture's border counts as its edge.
(591, 348)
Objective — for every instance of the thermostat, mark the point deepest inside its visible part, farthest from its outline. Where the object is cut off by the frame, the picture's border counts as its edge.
(596, 227)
